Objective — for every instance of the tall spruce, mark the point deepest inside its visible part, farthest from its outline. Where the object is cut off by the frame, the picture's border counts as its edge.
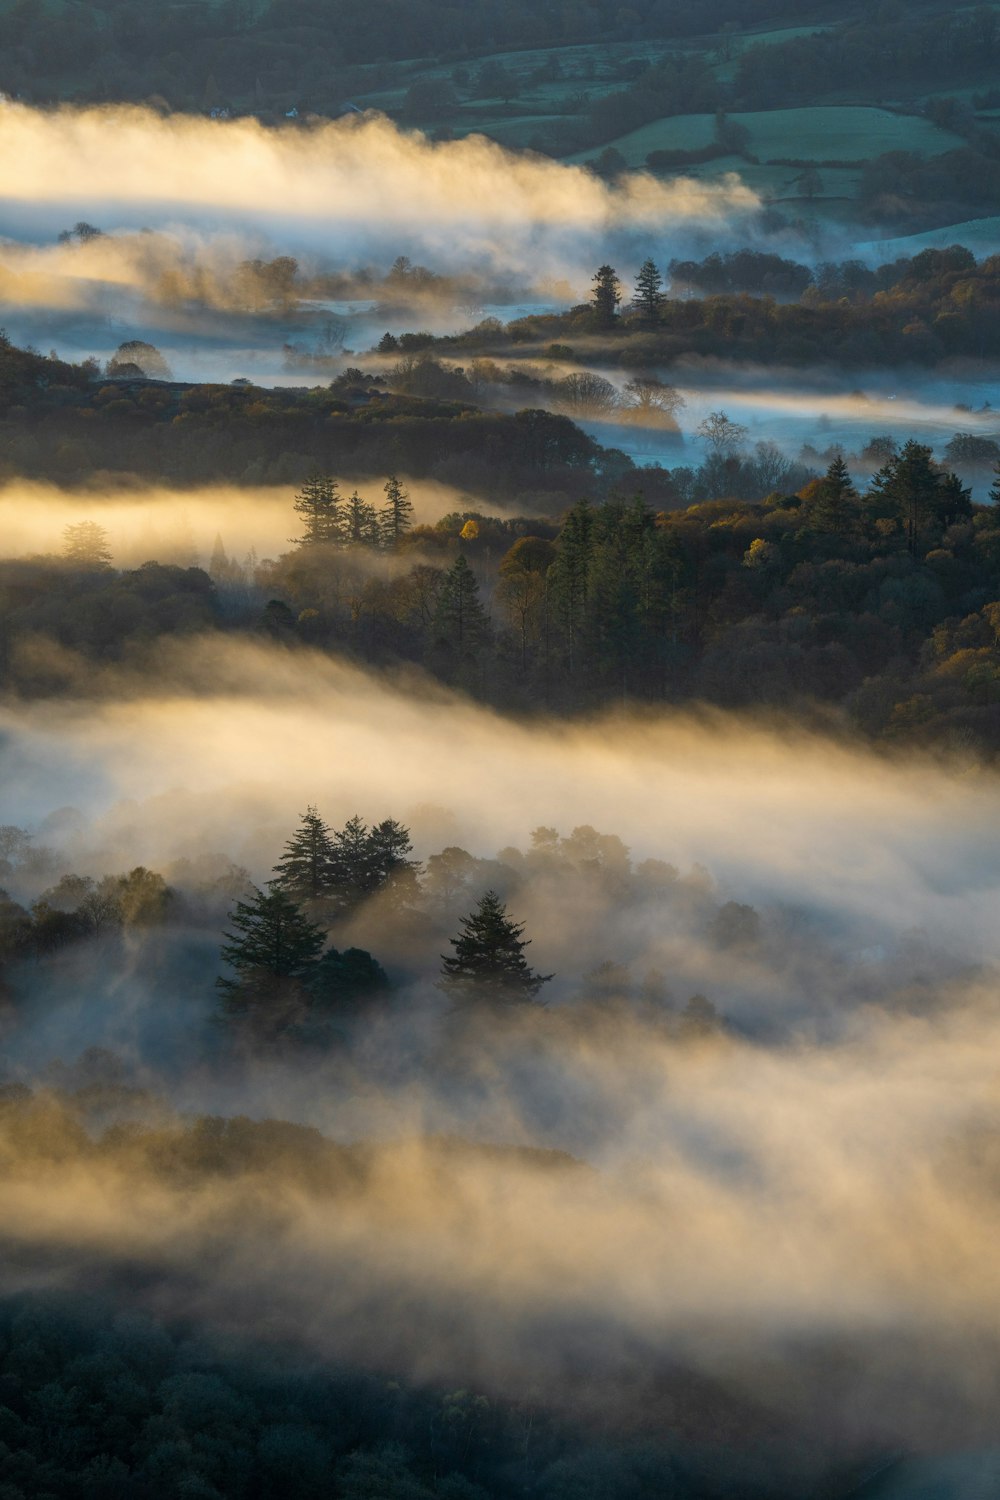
(569, 577)
(318, 503)
(605, 296)
(360, 522)
(273, 950)
(836, 504)
(305, 872)
(396, 515)
(648, 296)
(460, 622)
(488, 962)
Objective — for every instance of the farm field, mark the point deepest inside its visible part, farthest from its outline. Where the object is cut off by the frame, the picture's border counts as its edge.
(823, 133)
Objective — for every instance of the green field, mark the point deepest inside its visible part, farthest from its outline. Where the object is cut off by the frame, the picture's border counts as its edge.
(981, 236)
(848, 133)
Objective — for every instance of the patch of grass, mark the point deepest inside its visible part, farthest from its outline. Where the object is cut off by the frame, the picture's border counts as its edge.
(820, 133)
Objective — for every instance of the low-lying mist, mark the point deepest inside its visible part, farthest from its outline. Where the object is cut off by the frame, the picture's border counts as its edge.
(792, 1202)
(358, 185)
(174, 525)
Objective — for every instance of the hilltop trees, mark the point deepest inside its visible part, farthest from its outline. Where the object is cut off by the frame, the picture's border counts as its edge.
(488, 962)
(333, 872)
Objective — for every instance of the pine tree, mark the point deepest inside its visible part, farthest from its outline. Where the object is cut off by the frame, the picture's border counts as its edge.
(360, 522)
(606, 296)
(352, 874)
(395, 517)
(460, 622)
(389, 843)
(85, 545)
(305, 871)
(489, 962)
(318, 503)
(569, 576)
(835, 507)
(906, 488)
(995, 486)
(648, 291)
(274, 950)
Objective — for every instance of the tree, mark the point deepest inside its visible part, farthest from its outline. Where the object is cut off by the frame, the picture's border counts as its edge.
(722, 435)
(521, 586)
(395, 517)
(305, 871)
(388, 867)
(318, 503)
(569, 575)
(583, 391)
(648, 297)
(460, 622)
(489, 962)
(360, 522)
(651, 398)
(85, 545)
(144, 357)
(606, 296)
(834, 505)
(273, 951)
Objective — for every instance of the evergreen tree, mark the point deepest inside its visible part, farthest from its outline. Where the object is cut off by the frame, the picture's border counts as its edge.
(305, 871)
(352, 873)
(995, 486)
(395, 517)
(389, 843)
(835, 507)
(606, 296)
(273, 951)
(360, 522)
(908, 488)
(318, 503)
(85, 545)
(569, 576)
(489, 962)
(648, 296)
(460, 622)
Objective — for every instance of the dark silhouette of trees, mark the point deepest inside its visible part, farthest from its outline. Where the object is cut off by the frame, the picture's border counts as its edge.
(396, 515)
(318, 503)
(605, 296)
(648, 297)
(305, 872)
(461, 624)
(489, 963)
(273, 951)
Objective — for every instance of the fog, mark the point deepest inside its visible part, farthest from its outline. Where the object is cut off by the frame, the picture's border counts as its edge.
(358, 183)
(807, 1189)
(174, 525)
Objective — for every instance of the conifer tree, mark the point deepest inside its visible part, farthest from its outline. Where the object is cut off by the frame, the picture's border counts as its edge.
(351, 863)
(318, 503)
(995, 486)
(395, 517)
(648, 296)
(569, 576)
(389, 844)
(360, 522)
(606, 296)
(305, 871)
(273, 951)
(836, 504)
(489, 962)
(85, 545)
(459, 619)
